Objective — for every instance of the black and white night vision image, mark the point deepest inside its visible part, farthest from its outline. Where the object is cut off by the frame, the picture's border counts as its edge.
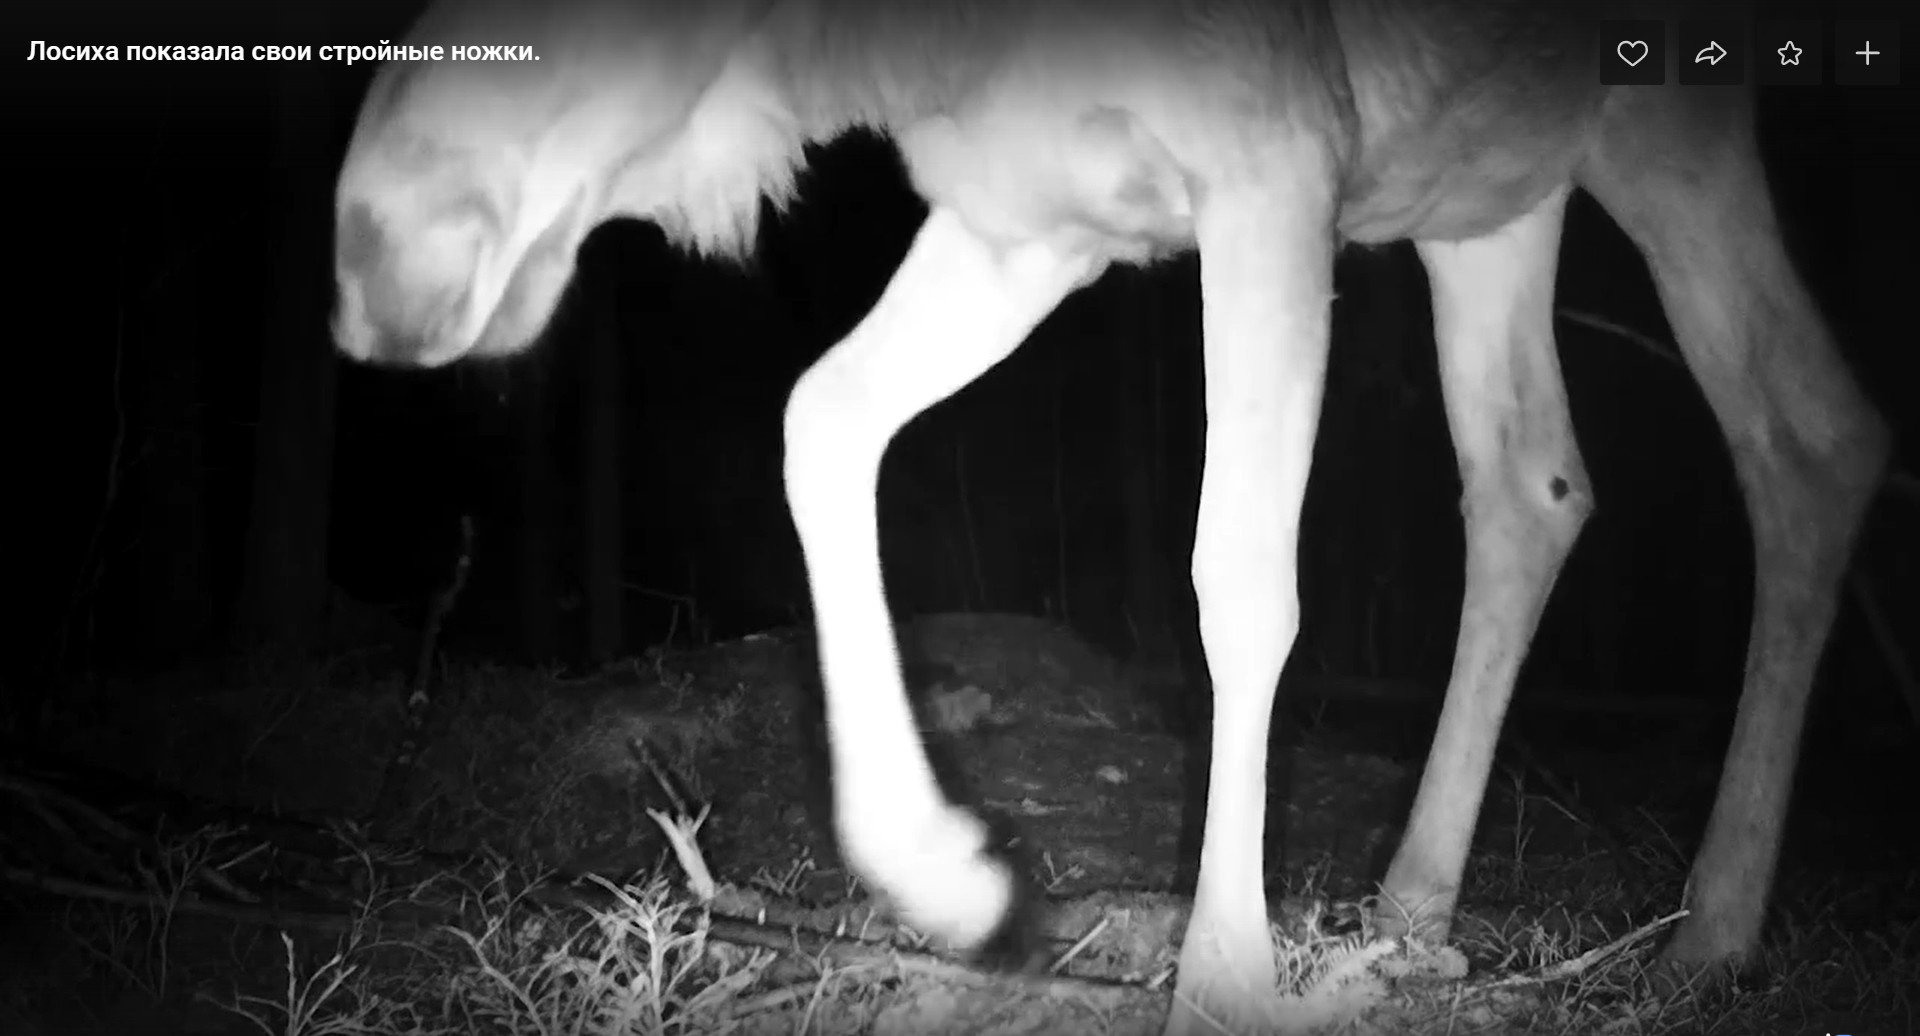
(1157, 517)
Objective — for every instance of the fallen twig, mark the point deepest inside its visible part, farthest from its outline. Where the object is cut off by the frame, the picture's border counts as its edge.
(1567, 969)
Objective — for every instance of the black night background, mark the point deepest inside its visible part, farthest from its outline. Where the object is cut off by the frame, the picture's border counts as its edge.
(234, 550)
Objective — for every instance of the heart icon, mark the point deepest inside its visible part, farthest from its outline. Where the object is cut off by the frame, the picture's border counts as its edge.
(1632, 51)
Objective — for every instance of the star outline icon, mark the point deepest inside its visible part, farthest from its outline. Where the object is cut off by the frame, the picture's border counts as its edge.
(1790, 54)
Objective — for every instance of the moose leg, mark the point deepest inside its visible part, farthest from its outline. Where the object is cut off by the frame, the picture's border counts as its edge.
(1524, 498)
(1265, 285)
(1685, 182)
(958, 305)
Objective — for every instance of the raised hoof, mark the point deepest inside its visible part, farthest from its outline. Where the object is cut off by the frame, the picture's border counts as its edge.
(945, 876)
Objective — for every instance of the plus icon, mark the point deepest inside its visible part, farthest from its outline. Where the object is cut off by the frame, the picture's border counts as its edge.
(1867, 53)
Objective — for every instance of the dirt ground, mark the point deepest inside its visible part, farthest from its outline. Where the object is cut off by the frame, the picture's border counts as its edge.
(1062, 745)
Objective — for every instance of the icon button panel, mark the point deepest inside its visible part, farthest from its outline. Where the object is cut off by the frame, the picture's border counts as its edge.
(1790, 52)
(1713, 52)
(1633, 53)
(1866, 53)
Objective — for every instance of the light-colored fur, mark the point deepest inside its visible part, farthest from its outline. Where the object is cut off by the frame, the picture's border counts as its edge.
(1054, 138)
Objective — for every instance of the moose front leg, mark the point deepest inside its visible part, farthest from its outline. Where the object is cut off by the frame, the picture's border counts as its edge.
(1266, 280)
(958, 305)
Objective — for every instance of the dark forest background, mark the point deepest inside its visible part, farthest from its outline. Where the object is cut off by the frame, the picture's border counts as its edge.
(196, 475)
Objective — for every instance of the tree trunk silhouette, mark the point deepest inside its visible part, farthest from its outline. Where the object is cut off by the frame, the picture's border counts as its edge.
(1353, 523)
(600, 481)
(1142, 433)
(536, 585)
(173, 569)
(284, 590)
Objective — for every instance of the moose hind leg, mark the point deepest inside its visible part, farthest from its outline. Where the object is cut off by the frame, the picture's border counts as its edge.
(1524, 498)
(1685, 182)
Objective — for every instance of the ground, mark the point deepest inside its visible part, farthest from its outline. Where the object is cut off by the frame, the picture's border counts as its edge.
(458, 902)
